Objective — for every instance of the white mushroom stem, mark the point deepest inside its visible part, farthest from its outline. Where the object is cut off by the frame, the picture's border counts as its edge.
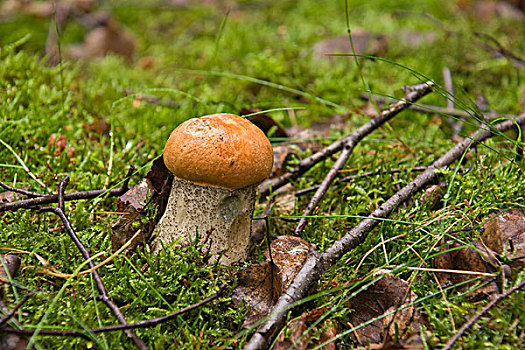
(221, 218)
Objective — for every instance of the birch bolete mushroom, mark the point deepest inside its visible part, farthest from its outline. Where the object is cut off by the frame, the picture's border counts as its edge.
(217, 161)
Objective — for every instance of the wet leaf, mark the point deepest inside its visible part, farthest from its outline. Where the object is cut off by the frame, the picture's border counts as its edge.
(456, 257)
(505, 234)
(259, 287)
(387, 294)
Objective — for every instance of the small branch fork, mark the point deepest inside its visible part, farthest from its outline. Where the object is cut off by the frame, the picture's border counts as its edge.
(59, 211)
(316, 264)
(414, 93)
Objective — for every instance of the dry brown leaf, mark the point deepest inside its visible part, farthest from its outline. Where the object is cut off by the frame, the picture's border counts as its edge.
(103, 40)
(387, 294)
(289, 253)
(467, 259)
(260, 288)
(56, 143)
(154, 189)
(295, 335)
(281, 155)
(99, 126)
(432, 196)
(505, 234)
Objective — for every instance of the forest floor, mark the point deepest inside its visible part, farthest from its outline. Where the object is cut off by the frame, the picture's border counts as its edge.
(105, 93)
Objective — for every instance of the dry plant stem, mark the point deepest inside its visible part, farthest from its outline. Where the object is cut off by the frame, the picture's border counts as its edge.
(476, 317)
(414, 93)
(48, 199)
(11, 312)
(141, 324)
(315, 267)
(59, 211)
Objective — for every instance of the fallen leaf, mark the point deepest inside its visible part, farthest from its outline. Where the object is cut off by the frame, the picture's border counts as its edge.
(259, 286)
(456, 257)
(289, 253)
(297, 336)
(101, 41)
(432, 196)
(486, 11)
(387, 294)
(12, 264)
(99, 126)
(56, 143)
(154, 190)
(505, 234)
(281, 155)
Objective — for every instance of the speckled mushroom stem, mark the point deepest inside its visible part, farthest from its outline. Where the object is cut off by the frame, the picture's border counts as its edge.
(220, 218)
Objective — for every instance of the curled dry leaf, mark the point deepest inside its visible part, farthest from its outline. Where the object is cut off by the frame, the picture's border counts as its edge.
(387, 294)
(458, 257)
(153, 189)
(259, 287)
(505, 234)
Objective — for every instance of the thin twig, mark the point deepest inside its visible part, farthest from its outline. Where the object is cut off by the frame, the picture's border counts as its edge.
(476, 317)
(21, 191)
(307, 163)
(316, 266)
(11, 312)
(98, 281)
(351, 141)
(53, 198)
(140, 324)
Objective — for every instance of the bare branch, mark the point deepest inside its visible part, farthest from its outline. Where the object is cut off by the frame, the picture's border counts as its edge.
(315, 267)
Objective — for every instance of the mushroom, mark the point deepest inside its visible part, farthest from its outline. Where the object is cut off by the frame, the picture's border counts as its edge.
(217, 161)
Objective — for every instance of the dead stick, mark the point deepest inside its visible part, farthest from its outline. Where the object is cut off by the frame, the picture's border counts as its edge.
(140, 324)
(48, 199)
(476, 317)
(315, 267)
(98, 281)
(413, 94)
(11, 312)
(21, 191)
(349, 145)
